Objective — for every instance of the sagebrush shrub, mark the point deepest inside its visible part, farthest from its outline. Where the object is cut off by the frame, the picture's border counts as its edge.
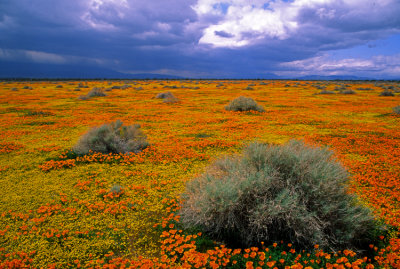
(116, 188)
(96, 92)
(112, 138)
(243, 103)
(293, 192)
(326, 92)
(168, 97)
(348, 91)
(163, 95)
(340, 88)
(386, 93)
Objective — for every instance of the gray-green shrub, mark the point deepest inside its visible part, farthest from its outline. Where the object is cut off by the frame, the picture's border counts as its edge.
(116, 188)
(168, 97)
(163, 95)
(243, 103)
(96, 92)
(386, 93)
(348, 91)
(326, 92)
(292, 192)
(112, 138)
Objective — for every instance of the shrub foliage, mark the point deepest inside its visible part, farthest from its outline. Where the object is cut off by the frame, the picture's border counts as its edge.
(386, 93)
(243, 103)
(294, 192)
(168, 97)
(112, 138)
(96, 92)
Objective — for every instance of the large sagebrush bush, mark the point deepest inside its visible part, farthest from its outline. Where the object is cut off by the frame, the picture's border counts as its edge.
(112, 138)
(243, 103)
(292, 192)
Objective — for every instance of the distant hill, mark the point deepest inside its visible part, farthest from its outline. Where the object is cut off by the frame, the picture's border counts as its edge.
(58, 71)
(52, 71)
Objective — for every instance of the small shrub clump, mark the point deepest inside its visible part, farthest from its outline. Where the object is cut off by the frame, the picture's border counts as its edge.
(243, 103)
(348, 91)
(116, 189)
(168, 97)
(112, 138)
(163, 95)
(340, 88)
(396, 110)
(386, 93)
(95, 92)
(293, 192)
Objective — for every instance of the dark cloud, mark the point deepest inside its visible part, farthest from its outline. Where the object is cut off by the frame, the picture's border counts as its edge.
(203, 37)
(223, 34)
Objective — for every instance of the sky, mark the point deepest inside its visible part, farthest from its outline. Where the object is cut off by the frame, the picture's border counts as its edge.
(204, 38)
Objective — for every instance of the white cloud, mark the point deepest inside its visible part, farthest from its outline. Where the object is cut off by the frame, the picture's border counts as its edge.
(380, 65)
(254, 22)
(245, 22)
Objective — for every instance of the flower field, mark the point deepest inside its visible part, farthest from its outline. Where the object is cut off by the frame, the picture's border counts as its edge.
(62, 212)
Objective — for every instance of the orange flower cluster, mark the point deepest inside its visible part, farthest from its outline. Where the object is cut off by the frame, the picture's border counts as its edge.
(160, 154)
(7, 147)
(179, 250)
(15, 259)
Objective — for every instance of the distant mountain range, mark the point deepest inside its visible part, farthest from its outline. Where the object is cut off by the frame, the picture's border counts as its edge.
(55, 71)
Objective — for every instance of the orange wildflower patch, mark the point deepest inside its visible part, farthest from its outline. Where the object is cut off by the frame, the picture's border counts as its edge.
(7, 147)
(58, 211)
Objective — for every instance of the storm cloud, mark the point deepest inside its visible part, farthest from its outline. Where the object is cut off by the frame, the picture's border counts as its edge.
(201, 38)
